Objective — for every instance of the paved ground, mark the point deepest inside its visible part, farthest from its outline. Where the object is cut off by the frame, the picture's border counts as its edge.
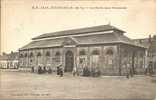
(19, 85)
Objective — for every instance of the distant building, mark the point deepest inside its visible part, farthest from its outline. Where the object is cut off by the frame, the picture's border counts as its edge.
(150, 44)
(9, 61)
(104, 47)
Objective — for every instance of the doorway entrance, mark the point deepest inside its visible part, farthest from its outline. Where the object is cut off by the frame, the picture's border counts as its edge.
(69, 61)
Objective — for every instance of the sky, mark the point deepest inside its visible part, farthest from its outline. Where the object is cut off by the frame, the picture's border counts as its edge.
(20, 23)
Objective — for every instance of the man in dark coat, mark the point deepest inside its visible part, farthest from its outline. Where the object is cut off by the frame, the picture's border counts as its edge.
(44, 69)
(39, 70)
(58, 70)
(61, 72)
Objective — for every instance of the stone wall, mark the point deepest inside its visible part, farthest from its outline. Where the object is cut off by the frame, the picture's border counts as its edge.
(110, 59)
(132, 57)
(103, 57)
(51, 57)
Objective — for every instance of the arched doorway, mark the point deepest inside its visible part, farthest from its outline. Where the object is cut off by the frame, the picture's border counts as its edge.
(69, 61)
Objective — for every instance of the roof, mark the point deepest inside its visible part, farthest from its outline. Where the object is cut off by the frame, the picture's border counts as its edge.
(106, 39)
(79, 31)
(44, 43)
(147, 42)
(3, 57)
(82, 40)
(10, 56)
(97, 39)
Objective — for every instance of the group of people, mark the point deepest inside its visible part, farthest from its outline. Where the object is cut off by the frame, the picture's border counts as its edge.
(60, 71)
(84, 71)
(95, 72)
(42, 70)
(129, 70)
(149, 69)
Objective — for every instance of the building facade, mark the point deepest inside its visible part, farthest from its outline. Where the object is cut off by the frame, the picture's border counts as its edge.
(9, 61)
(150, 44)
(104, 47)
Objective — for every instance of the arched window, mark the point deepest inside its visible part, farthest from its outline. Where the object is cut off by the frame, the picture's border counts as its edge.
(31, 58)
(109, 57)
(39, 58)
(25, 55)
(58, 56)
(47, 58)
(95, 52)
(95, 58)
(82, 52)
(82, 57)
(109, 52)
(48, 53)
(31, 54)
(38, 54)
(57, 53)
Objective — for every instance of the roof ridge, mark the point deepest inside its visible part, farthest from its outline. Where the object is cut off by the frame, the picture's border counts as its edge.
(78, 31)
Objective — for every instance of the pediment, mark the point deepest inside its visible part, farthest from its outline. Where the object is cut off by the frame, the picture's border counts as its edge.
(69, 41)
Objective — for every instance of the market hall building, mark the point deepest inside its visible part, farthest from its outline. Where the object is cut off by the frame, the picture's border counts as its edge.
(104, 47)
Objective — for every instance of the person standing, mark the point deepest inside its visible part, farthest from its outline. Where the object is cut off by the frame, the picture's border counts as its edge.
(61, 72)
(44, 69)
(127, 70)
(58, 70)
(150, 69)
(32, 69)
(39, 70)
(74, 71)
(131, 71)
(49, 71)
